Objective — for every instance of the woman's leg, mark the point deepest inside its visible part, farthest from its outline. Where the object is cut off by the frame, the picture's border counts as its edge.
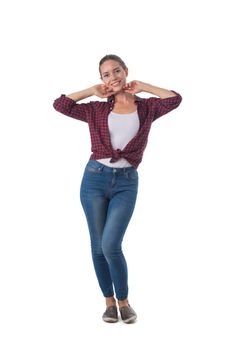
(95, 206)
(120, 210)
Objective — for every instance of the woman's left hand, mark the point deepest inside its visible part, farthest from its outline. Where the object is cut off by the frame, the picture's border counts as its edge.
(134, 87)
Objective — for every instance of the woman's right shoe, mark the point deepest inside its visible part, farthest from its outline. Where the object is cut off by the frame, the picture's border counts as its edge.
(128, 315)
(110, 315)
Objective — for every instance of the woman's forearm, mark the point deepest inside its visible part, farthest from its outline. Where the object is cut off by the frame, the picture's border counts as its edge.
(80, 95)
(160, 92)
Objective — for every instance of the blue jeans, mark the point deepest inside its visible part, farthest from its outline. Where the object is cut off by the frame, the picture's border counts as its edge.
(108, 197)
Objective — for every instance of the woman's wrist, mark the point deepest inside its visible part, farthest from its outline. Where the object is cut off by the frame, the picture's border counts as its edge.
(91, 91)
(147, 87)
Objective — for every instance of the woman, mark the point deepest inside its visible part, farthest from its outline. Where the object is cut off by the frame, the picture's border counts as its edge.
(119, 129)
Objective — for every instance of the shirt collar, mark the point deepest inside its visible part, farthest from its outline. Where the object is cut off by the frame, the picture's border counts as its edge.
(111, 99)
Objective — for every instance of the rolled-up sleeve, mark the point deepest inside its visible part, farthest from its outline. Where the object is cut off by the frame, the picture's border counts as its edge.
(69, 107)
(161, 106)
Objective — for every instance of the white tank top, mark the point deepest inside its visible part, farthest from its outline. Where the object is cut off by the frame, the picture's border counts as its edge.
(122, 128)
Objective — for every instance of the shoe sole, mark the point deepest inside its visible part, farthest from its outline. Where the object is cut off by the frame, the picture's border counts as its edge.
(110, 320)
(130, 320)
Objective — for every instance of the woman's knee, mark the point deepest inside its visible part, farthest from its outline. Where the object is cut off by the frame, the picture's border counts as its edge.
(110, 250)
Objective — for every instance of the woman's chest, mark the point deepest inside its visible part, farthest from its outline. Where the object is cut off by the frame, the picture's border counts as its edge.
(124, 109)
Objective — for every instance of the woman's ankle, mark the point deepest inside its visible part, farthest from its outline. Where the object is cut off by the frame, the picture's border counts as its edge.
(122, 303)
(110, 301)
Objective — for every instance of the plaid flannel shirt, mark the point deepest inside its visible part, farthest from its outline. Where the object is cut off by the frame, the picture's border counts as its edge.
(95, 113)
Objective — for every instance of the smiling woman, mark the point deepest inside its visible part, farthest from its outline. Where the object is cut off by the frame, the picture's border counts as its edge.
(119, 129)
(113, 71)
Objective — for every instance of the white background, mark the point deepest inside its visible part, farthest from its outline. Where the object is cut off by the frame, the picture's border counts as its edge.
(179, 242)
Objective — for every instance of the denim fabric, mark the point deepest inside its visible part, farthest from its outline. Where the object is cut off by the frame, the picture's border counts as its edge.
(108, 197)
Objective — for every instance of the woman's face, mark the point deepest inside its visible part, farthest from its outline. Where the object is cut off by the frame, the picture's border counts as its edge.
(113, 75)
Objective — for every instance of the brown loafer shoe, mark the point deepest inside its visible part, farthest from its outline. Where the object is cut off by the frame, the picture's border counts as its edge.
(128, 315)
(110, 315)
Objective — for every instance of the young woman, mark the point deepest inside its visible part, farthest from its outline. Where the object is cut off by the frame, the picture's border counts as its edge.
(119, 129)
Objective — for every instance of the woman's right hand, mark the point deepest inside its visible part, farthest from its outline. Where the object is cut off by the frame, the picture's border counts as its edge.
(102, 91)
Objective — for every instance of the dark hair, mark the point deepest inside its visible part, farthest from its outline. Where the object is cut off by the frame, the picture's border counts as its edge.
(114, 58)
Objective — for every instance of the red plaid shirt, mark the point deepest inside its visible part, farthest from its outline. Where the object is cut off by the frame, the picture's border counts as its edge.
(96, 115)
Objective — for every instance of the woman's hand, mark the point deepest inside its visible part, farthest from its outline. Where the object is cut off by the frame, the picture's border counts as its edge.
(102, 91)
(134, 87)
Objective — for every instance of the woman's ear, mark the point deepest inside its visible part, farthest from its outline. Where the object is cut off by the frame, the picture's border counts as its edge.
(126, 71)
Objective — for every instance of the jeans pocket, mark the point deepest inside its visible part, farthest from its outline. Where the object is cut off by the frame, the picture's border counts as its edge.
(93, 169)
(132, 174)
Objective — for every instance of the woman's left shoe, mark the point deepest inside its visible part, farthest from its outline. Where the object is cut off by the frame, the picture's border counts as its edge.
(128, 315)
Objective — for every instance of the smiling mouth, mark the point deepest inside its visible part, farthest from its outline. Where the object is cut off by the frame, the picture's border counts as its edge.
(116, 83)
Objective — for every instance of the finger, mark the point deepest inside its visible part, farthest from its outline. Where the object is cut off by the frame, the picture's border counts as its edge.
(103, 87)
(110, 89)
(127, 86)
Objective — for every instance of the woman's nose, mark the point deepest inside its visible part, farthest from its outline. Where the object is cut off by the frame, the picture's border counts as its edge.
(113, 76)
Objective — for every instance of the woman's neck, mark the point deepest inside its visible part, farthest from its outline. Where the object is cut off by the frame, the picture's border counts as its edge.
(123, 98)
